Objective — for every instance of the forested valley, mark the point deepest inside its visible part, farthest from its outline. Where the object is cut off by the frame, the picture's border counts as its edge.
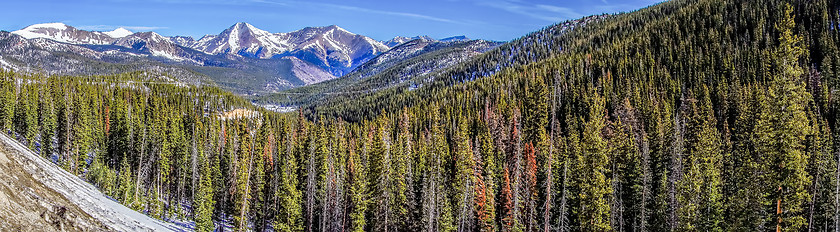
(689, 115)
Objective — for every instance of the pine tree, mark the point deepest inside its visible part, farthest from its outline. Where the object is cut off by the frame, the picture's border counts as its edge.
(9, 100)
(401, 160)
(47, 119)
(700, 196)
(244, 165)
(595, 184)
(485, 165)
(82, 133)
(781, 130)
(264, 147)
(289, 216)
(203, 200)
(358, 189)
(25, 119)
(463, 183)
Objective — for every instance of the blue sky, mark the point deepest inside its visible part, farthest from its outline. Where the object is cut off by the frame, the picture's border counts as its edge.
(500, 20)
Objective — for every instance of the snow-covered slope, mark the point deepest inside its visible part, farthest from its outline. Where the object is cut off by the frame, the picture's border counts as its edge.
(400, 40)
(333, 48)
(5, 65)
(455, 39)
(185, 41)
(243, 57)
(153, 43)
(63, 33)
(396, 41)
(72, 202)
(243, 39)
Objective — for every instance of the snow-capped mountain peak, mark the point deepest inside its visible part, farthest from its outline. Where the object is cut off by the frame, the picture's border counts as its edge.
(242, 39)
(58, 26)
(63, 33)
(330, 47)
(119, 33)
(336, 27)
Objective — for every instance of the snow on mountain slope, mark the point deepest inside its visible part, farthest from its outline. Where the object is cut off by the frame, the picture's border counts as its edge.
(241, 51)
(400, 40)
(455, 39)
(119, 33)
(6, 65)
(64, 33)
(243, 39)
(332, 48)
(45, 197)
(153, 43)
(421, 56)
(185, 41)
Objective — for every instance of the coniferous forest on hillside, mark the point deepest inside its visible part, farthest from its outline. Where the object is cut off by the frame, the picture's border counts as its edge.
(689, 115)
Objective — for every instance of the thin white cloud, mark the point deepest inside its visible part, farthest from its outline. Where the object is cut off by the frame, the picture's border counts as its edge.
(395, 13)
(112, 27)
(542, 12)
(358, 9)
(564, 11)
(143, 28)
(96, 27)
(553, 13)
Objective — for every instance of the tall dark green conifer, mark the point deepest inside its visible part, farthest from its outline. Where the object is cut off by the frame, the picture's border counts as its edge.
(781, 130)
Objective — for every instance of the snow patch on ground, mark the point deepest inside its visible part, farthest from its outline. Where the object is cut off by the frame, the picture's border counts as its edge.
(279, 108)
(84, 195)
(6, 65)
(166, 55)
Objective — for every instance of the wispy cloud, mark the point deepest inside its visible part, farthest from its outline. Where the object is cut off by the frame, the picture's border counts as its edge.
(358, 9)
(564, 11)
(554, 13)
(112, 27)
(539, 11)
(394, 13)
(143, 28)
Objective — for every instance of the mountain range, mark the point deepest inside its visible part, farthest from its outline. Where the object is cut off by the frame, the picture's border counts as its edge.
(242, 58)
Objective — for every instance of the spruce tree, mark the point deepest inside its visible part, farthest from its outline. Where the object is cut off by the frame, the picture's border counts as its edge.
(781, 130)
(595, 184)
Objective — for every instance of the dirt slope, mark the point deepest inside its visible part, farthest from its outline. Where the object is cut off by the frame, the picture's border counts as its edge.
(37, 195)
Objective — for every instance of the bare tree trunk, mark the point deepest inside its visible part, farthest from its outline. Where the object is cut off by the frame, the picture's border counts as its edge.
(194, 163)
(549, 181)
(243, 212)
(517, 174)
(837, 195)
(140, 165)
(814, 194)
(646, 179)
(676, 171)
(310, 189)
(616, 206)
(430, 196)
(563, 221)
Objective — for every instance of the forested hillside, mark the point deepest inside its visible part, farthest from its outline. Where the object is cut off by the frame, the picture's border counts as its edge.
(703, 115)
(403, 66)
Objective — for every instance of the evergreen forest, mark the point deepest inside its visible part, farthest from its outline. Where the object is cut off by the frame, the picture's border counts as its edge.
(689, 115)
